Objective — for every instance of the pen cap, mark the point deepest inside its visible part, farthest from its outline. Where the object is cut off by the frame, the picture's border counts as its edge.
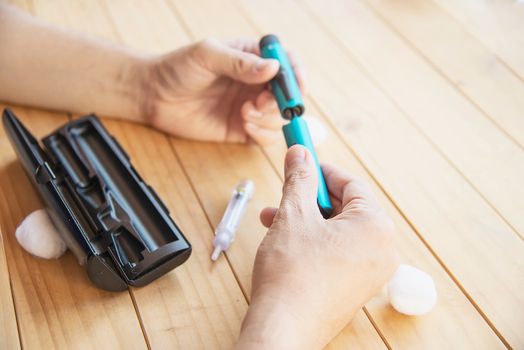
(284, 84)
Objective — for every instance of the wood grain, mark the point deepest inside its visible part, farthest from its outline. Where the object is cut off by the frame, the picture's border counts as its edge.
(229, 164)
(200, 304)
(56, 305)
(483, 154)
(461, 58)
(433, 122)
(437, 330)
(9, 338)
(445, 210)
(497, 24)
(413, 332)
(135, 21)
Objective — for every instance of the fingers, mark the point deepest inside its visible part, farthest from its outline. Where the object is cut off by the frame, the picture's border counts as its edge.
(245, 44)
(264, 137)
(267, 215)
(246, 67)
(347, 188)
(299, 197)
(262, 120)
(251, 46)
(263, 112)
(266, 102)
(337, 206)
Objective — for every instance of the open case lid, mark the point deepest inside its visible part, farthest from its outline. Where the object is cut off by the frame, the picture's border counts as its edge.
(108, 216)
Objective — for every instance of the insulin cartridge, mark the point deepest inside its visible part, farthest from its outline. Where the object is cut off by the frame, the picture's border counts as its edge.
(287, 94)
(226, 229)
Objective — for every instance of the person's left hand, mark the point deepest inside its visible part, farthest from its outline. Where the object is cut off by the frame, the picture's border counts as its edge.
(213, 91)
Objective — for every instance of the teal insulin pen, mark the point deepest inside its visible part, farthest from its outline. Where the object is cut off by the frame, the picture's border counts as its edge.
(289, 100)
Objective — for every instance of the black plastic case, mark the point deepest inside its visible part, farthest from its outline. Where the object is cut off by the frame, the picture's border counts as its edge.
(109, 217)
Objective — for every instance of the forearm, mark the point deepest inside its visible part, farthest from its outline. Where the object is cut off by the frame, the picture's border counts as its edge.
(44, 66)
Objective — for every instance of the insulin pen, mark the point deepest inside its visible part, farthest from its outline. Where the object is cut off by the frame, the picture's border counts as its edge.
(226, 229)
(287, 94)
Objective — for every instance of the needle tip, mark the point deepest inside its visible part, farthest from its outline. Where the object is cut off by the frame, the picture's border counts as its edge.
(216, 253)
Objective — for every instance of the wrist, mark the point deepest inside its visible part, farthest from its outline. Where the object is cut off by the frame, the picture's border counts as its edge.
(131, 89)
(272, 324)
(113, 83)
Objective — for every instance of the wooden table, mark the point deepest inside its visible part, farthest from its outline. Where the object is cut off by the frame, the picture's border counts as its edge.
(424, 99)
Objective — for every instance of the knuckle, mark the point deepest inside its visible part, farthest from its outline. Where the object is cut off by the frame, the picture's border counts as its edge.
(298, 176)
(385, 229)
(206, 44)
(288, 207)
(358, 185)
(202, 48)
(290, 210)
(239, 65)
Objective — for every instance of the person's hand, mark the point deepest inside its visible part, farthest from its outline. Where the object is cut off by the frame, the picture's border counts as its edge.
(213, 91)
(312, 275)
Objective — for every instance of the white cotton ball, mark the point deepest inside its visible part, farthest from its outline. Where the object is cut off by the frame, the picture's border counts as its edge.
(317, 129)
(412, 291)
(38, 235)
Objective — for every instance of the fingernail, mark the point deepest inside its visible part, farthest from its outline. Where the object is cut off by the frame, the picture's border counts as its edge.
(296, 156)
(262, 64)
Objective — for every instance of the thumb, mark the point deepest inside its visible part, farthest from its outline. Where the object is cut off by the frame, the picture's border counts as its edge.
(246, 67)
(301, 183)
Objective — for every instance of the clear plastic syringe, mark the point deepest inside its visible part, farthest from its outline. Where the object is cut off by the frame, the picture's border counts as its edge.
(226, 229)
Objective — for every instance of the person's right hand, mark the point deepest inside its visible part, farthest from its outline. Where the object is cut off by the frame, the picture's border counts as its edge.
(312, 275)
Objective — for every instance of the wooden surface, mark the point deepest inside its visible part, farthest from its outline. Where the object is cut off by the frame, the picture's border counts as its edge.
(424, 99)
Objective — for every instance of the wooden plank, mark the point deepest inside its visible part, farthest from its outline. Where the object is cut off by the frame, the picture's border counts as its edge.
(432, 331)
(75, 16)
(21, 4)
(57, 306)
(200, 304)
(9, 337)
(226, 196)
(497, 24)
(437, 330)
(449, 215)
(473, 68)
(481, 152)
(228, 164)
(134, 21)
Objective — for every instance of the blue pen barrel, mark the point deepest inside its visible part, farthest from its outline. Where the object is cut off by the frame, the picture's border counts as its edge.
(284, 84)
(297, 132)
(287, 94)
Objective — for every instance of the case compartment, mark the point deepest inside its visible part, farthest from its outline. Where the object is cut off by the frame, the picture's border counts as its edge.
(112, 221)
